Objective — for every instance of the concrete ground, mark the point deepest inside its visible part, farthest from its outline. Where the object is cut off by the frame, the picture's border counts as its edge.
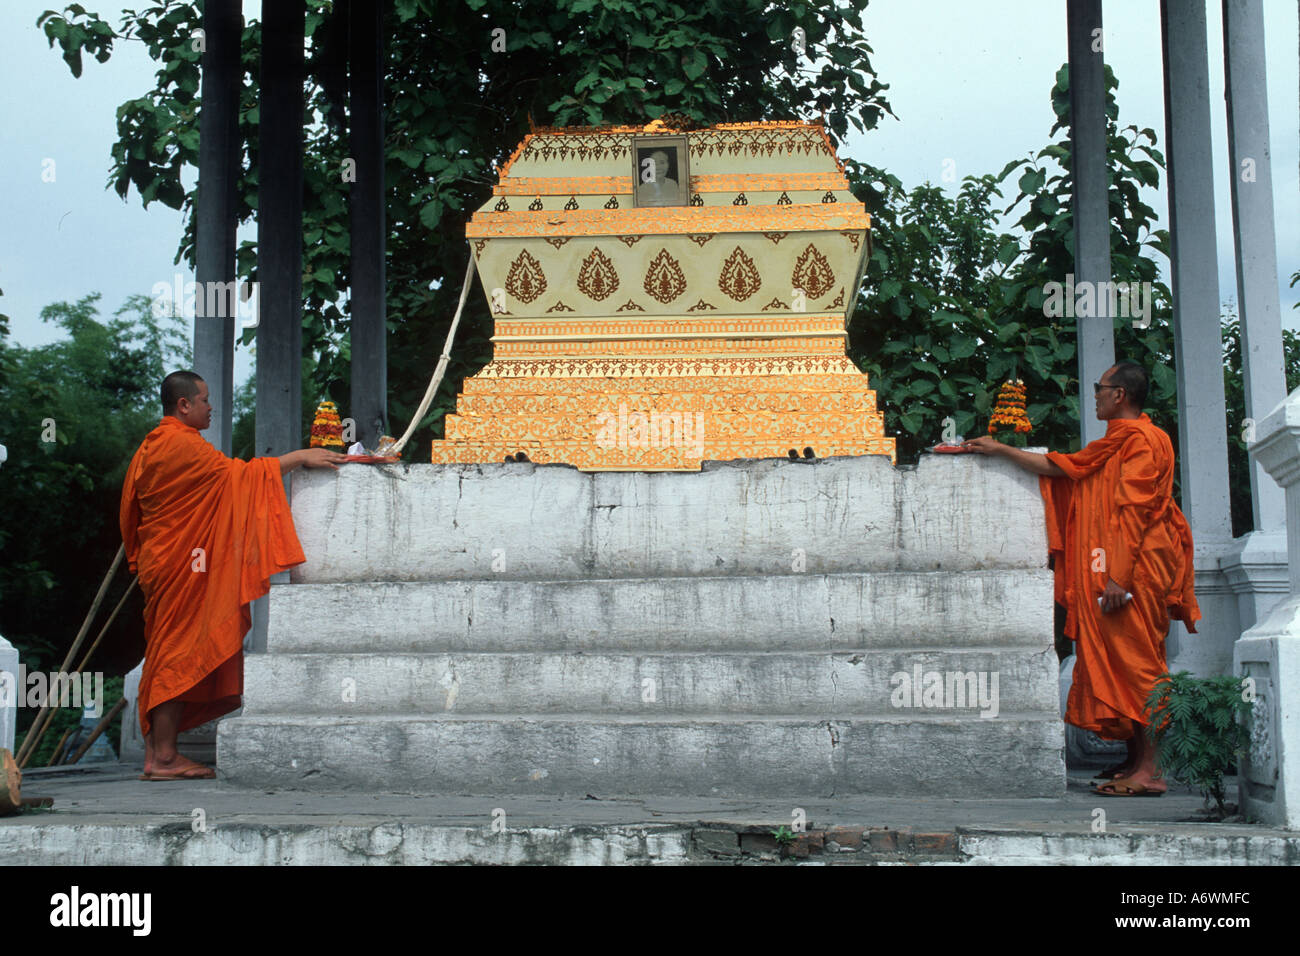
(105, 816)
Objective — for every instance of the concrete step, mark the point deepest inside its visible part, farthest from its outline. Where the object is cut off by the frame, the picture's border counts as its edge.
(788, 755)
(788, 611)
(549, 522)
(971, 683)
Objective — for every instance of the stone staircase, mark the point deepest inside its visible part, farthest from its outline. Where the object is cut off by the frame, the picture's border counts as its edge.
(515, 628)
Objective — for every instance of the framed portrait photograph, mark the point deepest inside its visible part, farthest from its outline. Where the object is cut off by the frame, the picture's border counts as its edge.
(660, 171)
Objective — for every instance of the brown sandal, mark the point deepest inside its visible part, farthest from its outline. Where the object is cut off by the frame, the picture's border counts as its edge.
(1121, 788)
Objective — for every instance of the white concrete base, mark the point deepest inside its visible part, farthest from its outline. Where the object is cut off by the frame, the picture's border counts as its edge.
(1256, 571)
(742, 630)
(1269, 653)
(9, 692)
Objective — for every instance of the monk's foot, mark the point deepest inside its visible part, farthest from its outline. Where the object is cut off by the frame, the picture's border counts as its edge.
(1138, 785)
(1115, 772)
(178, 768)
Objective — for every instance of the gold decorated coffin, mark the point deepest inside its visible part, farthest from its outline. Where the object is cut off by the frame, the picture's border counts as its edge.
(661, 298)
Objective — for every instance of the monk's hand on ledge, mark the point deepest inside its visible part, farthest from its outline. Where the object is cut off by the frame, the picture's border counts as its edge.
(1112, 599)
(321, 458)
(985, 445)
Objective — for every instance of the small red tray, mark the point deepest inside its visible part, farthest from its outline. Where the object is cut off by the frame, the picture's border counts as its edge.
(371, 459)
(952, 449)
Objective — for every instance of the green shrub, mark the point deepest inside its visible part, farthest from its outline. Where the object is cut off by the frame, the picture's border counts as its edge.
(1198, 725)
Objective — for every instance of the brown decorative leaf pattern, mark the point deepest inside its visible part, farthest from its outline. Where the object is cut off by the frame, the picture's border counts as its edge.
(812, 273)
(664, 279)
(525, 280)
(597, 278)
(739, 277)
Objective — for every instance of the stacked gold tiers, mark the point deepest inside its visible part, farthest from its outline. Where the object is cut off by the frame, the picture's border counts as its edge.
(656, 338)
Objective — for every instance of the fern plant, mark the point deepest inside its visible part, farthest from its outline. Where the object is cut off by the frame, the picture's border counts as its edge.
(1198, 726)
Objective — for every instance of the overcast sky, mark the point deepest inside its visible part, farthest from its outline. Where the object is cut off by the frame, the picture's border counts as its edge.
(968, 81)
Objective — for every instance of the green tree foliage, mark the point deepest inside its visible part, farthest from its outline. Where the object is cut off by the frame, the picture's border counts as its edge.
(1233, 388)
(455, 109)
(71, 415)
(953, 305)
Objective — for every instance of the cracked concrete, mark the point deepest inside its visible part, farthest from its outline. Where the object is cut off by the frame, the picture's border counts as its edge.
(104, 816)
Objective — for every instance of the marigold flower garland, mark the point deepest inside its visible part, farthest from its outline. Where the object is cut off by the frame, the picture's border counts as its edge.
(1009, 413)
(326, 429)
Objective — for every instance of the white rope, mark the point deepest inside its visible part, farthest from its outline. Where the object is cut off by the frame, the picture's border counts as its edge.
(440, 370)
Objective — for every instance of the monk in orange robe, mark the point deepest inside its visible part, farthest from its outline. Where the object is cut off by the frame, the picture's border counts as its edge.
(205, 533)
(1122, 554)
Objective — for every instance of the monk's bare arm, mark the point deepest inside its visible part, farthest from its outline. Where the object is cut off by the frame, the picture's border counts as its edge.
(309, 458)
(1028, 460)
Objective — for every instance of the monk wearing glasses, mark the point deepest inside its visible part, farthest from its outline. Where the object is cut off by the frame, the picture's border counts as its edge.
(1122, 554)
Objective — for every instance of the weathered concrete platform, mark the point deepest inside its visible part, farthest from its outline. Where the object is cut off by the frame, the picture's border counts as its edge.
(732, 632)
(105, 817)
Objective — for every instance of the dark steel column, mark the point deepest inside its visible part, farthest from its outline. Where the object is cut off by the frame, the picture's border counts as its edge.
(1096, 333)
(214, 212)
(366, 300)
(279, 230)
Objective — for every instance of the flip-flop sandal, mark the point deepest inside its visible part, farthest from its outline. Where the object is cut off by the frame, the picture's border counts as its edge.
(1117, 789)
(189, 773)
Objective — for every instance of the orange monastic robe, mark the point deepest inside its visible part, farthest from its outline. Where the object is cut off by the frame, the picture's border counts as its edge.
(182, 495)
(1113, 516)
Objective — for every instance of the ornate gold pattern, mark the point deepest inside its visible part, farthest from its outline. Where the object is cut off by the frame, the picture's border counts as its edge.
(597, 278)
(830, 344)
(733, 326)
(754, 380)
(525, 281)
(605, 185)
(766, 138)
(668, 220)
(812, 273)
(664, 280)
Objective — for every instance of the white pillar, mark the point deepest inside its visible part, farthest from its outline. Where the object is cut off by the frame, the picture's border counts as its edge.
(9, 691)
(1256, 569)
(1198, 343)
(1269, 653)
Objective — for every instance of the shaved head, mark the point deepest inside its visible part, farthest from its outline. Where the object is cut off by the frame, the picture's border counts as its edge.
(176, 386)
(1134, 380)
